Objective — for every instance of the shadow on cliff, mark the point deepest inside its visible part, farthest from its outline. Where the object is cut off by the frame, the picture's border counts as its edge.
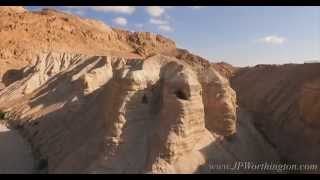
(60, 86)
(278, 97)
(69, 122)
(15, 156)
(139, 141)
(247, 145)
(12, 76)
(71, 132)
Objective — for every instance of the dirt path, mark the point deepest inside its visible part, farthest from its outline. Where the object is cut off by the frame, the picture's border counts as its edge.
(15, 152)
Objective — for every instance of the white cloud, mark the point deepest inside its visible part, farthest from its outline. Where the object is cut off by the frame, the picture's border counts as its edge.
(68, 11)
(120, 21)
(79, 12)
(158, 21)
(160, 17)
(197, 7)
(114, 9)
(166, 28)
(156, 11)
(272, 40)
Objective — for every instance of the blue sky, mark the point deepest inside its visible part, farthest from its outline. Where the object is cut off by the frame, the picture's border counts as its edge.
(240, 35)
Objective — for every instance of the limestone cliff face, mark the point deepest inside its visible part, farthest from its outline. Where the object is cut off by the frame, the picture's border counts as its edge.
(225, 69)
(104, 114)
(158, 106)
(285, 100)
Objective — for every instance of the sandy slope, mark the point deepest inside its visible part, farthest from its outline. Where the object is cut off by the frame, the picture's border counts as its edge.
(15, 153)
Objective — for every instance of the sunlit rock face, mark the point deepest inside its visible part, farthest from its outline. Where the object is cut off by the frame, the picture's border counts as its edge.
(90, 98)
(26, 34)
(89, 113)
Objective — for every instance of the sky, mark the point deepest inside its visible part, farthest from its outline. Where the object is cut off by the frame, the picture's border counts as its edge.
(239, 35)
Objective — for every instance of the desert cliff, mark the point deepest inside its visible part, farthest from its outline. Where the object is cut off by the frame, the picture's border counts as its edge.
(90, 98)
(285, 100)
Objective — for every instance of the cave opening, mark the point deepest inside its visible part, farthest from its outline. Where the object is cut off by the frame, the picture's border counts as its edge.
(144, 99)
(181, 95)
(231, 138)
(42, 165)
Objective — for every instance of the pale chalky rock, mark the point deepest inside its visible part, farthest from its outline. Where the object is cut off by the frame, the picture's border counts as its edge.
(103, 114)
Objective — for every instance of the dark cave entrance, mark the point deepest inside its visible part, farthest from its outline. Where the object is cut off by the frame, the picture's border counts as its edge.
(144, 99)
(181, 95)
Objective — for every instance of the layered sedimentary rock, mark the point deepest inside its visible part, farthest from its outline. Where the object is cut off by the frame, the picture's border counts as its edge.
(91, 98)
(104, 114)
(285, 100)
(309, 102)
(26, 34)
(224, 69)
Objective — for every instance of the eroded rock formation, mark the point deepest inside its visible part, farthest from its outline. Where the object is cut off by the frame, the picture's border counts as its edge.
(26, 34)
(112, 114)
(94, 99)
(285, 100)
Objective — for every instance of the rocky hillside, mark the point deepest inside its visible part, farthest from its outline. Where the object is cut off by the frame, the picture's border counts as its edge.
(26, 34)
(90, 98)
(286, 103)
(223, 68)
(93, 99)
(112, 114)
